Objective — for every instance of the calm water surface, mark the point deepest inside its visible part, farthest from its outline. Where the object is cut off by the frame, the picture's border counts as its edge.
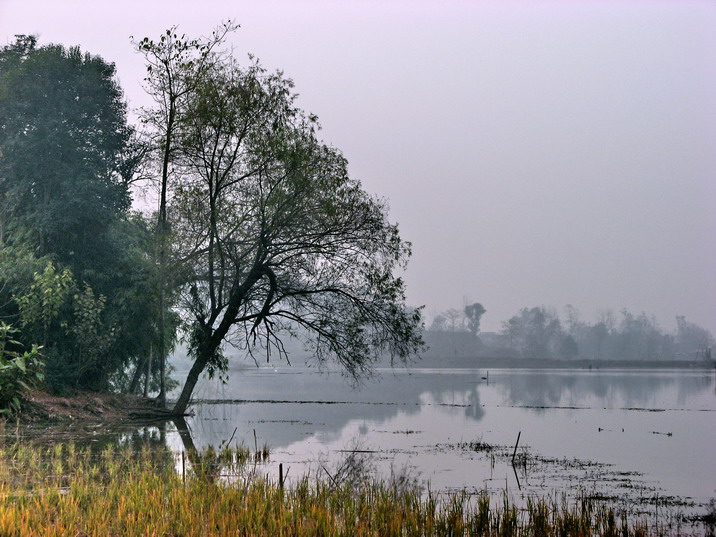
(636, 434)
(638, 437)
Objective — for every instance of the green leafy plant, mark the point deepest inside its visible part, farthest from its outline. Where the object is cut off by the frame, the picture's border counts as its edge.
(41, 305)
(19, 371)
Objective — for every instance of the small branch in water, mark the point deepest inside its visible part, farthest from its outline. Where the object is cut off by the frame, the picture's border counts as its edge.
(183, 467)
(514, 452)
(519, 486)
(281, 476)
(232, 436)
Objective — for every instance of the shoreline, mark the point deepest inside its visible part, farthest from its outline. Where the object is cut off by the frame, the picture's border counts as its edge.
(83, 407)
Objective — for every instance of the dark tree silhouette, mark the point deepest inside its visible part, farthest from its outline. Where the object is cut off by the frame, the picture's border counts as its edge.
(271, 236)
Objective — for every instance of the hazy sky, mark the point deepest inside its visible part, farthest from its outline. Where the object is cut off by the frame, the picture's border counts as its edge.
(534, 153)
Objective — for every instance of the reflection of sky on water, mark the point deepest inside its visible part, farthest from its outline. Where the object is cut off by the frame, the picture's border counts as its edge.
(610, 389)
(618, 418)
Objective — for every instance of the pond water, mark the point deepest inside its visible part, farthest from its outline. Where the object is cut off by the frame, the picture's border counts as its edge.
(638, 435)
(644, 438)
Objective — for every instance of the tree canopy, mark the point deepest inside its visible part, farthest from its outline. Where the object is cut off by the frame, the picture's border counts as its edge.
(73, 264)
(63, 133)
(473, 314)
(270, 234)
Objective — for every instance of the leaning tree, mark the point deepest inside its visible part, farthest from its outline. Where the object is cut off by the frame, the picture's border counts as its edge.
(272, 238)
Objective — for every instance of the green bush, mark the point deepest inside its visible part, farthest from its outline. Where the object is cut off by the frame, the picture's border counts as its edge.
(19, 371)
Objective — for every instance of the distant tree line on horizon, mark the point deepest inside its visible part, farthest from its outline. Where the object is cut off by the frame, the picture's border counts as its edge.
(540, 333)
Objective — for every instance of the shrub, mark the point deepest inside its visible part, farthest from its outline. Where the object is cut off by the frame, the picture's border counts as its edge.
(19, 371)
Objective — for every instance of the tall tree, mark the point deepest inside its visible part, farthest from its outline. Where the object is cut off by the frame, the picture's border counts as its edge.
(271, 236)
(63, 130)
(174, 65)
(473, 314)
(536, 332)
(64, 178)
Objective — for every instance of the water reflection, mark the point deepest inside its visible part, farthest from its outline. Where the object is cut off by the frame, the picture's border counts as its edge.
(620, 389)
(292, 405)
(421, 417)
(609, 417)
(140, 436)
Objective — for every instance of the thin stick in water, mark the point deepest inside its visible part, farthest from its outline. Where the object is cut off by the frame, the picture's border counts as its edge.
(515, 450)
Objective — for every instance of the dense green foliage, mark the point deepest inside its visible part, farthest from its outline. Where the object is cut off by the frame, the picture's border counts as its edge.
(75, 274)
(64, 130)
(19, 371)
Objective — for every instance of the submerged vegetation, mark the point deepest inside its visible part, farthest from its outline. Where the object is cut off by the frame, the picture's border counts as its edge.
(66, 491)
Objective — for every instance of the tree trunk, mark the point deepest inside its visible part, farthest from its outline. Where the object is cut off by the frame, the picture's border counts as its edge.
(162, 355)
(148, 371)
(196, 369)
(162, 231)
(137, 376)
(212, 338)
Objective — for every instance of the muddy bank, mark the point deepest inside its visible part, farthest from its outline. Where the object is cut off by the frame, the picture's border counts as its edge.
(83, 407)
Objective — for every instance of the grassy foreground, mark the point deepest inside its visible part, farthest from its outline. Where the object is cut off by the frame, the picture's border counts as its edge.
(64, 491)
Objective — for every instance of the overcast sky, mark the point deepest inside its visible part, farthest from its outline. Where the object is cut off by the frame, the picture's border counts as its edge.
(534, 153)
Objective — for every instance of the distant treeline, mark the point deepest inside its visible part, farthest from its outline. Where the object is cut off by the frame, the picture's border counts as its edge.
(539, 333)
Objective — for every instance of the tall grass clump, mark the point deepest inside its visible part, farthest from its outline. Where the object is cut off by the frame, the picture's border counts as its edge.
(64, 491)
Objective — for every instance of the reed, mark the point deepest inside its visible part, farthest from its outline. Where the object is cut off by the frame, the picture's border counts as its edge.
(65, 491)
